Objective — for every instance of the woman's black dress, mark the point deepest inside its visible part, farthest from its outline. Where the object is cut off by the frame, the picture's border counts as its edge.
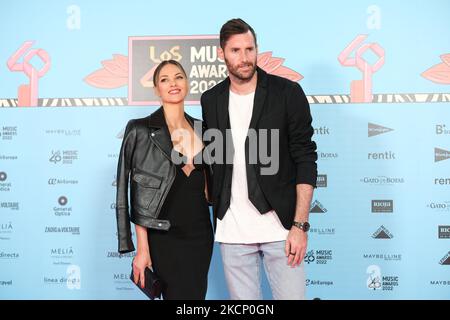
(181, 256)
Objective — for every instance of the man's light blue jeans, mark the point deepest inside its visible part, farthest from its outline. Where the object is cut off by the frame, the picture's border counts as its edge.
(242, 267)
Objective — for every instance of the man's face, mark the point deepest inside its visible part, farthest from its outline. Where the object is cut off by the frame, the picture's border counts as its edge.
(240, 54)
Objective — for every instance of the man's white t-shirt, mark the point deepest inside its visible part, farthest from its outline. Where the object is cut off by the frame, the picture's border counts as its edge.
(242, 222)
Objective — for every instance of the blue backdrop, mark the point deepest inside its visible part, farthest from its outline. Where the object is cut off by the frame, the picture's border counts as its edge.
(381, 216)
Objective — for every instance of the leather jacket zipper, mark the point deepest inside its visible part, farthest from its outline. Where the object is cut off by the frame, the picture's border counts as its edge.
(169, 185)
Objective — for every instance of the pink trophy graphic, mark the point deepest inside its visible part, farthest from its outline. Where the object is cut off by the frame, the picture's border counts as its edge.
(361, 90)
(28, 94)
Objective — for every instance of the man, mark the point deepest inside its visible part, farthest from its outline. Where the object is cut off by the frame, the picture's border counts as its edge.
(260, 216)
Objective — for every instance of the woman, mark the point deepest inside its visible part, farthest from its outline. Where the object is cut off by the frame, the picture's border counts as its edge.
(167, 198)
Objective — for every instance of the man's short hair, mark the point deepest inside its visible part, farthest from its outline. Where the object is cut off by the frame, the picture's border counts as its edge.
(232, 27)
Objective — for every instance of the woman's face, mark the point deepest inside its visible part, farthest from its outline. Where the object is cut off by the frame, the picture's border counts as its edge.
(172, 85)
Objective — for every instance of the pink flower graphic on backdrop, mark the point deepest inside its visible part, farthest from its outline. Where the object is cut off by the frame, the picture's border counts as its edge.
(439, 73)
(274, 66)
(114, 73)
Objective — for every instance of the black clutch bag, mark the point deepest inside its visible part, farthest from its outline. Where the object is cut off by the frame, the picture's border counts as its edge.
(153, 284)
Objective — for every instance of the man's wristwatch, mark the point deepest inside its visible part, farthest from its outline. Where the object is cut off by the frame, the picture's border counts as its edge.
(302, 225)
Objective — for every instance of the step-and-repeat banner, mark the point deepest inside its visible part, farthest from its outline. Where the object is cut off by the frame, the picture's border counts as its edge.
(377, 76)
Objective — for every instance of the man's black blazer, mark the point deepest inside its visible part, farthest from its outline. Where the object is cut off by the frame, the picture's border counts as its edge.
(278, 104)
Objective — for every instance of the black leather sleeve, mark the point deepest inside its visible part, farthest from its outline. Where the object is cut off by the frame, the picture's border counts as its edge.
(123, 176)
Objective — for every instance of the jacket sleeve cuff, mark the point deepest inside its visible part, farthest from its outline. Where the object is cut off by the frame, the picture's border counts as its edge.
(307, 174)
(126, 245)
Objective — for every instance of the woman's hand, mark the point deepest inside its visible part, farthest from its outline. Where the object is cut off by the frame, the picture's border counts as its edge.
(140, 262)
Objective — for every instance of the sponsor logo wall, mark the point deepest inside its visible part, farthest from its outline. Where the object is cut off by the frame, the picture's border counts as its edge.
(379, 217)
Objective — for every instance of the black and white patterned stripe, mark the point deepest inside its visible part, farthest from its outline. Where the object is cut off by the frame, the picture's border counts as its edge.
(312, 99)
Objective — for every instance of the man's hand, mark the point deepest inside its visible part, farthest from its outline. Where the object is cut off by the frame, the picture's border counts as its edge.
(296, 244)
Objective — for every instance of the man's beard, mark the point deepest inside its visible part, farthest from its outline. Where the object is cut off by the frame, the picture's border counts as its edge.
(234, 70)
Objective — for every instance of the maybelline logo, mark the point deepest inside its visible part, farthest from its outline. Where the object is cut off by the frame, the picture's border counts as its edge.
(327, 155)
(387, 155)
(114, 254)
(322, 283)
(375, 129)
(56, 181)
(113, 155)
(445, 260)
(9, 205)
(322, 131)
(440, 282)
(323, 231)
(383, 256)
(72, 230)
(7, 133)
(442, 129)
(444, 232)
(4, 283)
(318, 256)
(382, 206)
(9, 255)
(442, 181)
(382, 180)
(382, 233)
(441, 154)
(376, 281)
(4, 186)
(64, 157)
(63, 210)
(6, 157)
(440, 206)
(317, 207)
(64, 132)
(322, 181)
